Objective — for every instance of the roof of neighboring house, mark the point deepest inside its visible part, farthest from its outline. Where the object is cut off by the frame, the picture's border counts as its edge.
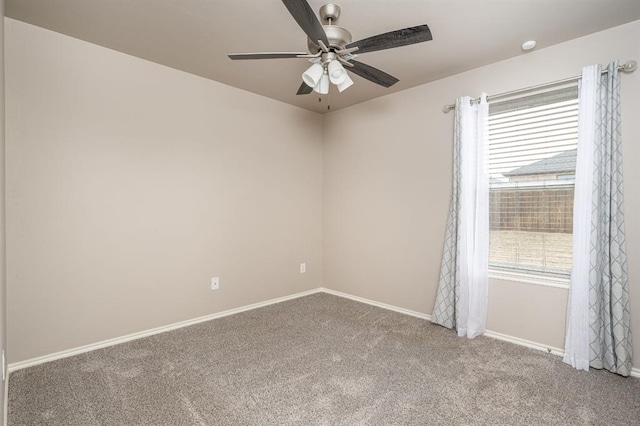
(560, 163)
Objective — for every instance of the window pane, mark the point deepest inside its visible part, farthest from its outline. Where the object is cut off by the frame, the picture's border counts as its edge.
(532, 161)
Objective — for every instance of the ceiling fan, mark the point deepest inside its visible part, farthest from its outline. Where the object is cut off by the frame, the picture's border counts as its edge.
(331, 49)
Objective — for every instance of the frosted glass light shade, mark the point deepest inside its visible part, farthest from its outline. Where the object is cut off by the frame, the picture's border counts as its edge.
(323, 85)
(346, 83)
(312, 76)
(337, 73)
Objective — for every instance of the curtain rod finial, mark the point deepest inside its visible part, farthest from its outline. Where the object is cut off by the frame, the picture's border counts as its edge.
(447, 108)
(630, 66)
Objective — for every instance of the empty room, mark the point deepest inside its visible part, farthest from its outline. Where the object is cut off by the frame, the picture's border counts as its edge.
(294, 212)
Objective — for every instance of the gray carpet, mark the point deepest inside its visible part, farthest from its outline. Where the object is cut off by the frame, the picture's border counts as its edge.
(318, 360)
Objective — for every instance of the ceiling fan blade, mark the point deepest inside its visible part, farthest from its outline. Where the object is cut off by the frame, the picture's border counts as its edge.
(393, 39)
(304, 16)
(372, 74)
(304, 89)
(265, 55)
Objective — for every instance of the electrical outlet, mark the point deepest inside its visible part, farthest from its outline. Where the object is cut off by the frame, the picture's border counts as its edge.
(303, 267)
(215, 283)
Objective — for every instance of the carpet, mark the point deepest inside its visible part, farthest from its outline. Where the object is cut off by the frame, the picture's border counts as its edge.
(318, 360)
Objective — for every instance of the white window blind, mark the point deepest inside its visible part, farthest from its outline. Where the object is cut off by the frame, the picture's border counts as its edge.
(532, 159)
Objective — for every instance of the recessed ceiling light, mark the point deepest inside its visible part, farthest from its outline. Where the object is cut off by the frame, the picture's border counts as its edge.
(528, 45)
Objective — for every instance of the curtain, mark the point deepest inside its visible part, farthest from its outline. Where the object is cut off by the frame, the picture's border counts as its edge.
(598, 316)
(461, 301)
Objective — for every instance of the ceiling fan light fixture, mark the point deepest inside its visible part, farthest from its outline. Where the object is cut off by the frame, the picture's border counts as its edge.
(323, 85)
(330, 47)
(337, 73)
(313, 75)
(346, 83)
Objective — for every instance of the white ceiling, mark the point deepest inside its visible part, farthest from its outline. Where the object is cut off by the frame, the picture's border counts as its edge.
(195, 35)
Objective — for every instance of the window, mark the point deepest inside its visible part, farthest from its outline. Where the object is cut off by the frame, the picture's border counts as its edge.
(532, 161)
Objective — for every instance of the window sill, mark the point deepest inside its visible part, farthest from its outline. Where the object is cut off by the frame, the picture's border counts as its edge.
(530, 278)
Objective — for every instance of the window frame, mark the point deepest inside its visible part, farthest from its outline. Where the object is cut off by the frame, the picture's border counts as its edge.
(547, 279)
(532, 277)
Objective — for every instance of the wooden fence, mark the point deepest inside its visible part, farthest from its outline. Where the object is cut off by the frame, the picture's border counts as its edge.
(536, 210)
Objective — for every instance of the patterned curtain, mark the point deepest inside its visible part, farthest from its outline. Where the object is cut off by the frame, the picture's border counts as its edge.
(447, 299)
(461, 301)
(598, 317)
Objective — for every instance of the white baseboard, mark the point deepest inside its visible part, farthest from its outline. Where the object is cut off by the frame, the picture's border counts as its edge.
(635, 372)
(488, 333)
(378, 304)
(524, 342)
(115, 341)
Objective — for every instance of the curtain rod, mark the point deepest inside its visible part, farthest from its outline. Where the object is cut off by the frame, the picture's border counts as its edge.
(629, 66)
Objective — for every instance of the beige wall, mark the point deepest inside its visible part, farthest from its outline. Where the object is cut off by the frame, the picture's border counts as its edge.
(131, 184)
(387, 168)
(3, 283)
